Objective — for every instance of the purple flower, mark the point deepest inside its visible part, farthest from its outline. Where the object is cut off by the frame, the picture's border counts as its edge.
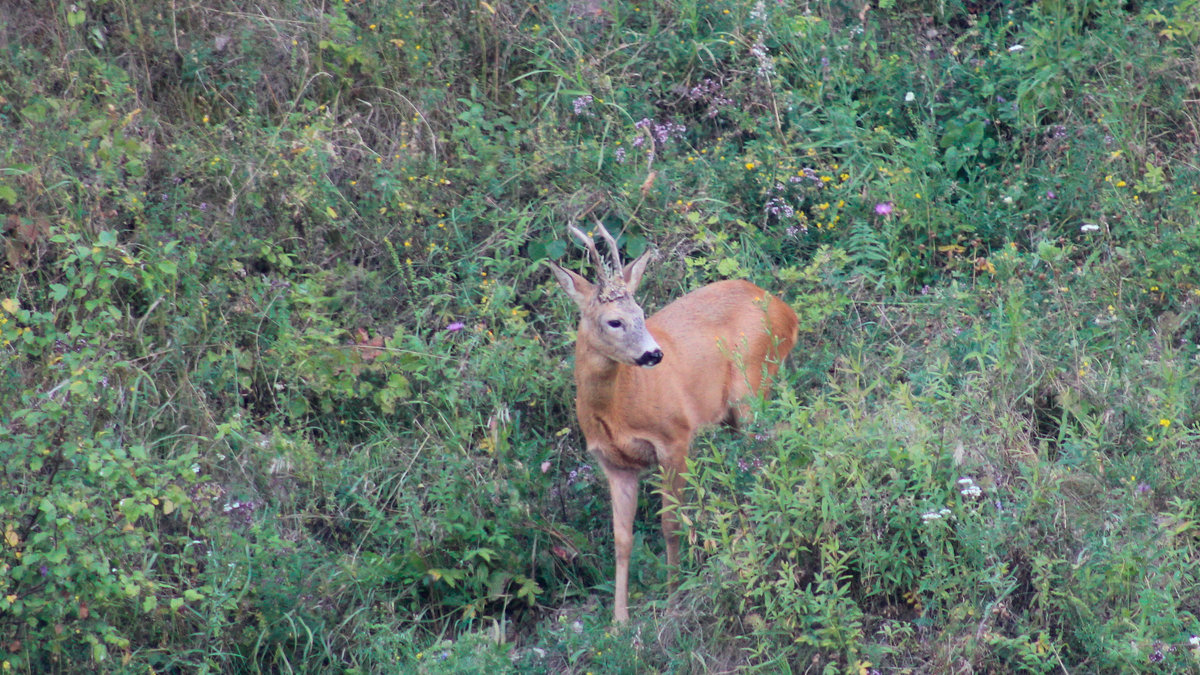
(883, 208)
(1050, 194)
(581, 104)
(1143, 488)
(456, 326)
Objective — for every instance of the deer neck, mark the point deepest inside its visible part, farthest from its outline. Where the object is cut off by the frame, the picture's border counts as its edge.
(597, 382)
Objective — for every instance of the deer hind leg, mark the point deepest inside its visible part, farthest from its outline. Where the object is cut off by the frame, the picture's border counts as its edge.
(622, 487)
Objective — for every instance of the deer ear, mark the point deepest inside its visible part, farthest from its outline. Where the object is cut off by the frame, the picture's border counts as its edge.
(581, 290)
(632, 273)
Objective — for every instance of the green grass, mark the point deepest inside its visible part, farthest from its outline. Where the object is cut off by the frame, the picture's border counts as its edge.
(287, 387)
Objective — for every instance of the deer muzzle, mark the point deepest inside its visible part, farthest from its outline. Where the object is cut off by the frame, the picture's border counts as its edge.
(650, 358)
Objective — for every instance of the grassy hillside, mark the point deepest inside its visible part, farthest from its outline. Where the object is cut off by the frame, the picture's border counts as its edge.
(287, 389)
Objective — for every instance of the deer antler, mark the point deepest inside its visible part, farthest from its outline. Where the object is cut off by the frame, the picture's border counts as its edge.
(590, 243)
(612, 246)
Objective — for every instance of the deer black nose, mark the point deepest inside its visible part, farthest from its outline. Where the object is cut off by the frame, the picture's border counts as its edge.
(650, 358)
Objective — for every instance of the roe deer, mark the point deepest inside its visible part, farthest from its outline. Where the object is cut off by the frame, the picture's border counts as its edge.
(643, 387)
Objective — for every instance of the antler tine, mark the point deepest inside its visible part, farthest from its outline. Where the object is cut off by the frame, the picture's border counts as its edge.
(612, 246)
(590, 243)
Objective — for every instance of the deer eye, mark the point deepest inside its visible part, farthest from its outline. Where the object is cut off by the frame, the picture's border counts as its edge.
(614, 323)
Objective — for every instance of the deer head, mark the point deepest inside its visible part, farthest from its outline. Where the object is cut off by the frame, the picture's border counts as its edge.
(612, 323)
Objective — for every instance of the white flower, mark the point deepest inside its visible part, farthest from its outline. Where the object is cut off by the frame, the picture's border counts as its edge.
(972, 491)
(910, 97)
(1089, 227)
(935, 515)
(1017, 48)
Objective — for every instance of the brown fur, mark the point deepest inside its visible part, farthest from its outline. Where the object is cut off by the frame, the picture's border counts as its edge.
(717, 343)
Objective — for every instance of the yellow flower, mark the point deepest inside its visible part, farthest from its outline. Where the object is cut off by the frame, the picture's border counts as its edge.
(1120, 183)
(1164, 423)
(749, 166)
(10, 598)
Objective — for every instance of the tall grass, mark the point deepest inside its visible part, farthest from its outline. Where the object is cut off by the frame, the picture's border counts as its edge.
(287, 389)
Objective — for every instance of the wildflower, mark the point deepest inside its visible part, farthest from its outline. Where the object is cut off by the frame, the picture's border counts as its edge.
(910, 97)
(766, 64)
(935, 515)
(1143, 488)
(968, 488)
(759, 12)
(1050, 194)
(455, 327)
(883, 208)
(580, 105)
(1089, 227)
(1164, 423)
(1017, 48)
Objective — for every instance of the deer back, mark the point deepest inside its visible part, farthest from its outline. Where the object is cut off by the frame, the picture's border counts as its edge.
(717, 344)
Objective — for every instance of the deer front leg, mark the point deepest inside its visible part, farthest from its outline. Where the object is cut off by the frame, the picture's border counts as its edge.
(622, 488)
(673, 466)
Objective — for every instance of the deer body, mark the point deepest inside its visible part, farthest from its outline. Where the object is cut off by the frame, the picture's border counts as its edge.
(645, 387)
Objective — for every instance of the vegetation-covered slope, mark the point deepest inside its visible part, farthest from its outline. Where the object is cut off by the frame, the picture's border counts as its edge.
(286, 389)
